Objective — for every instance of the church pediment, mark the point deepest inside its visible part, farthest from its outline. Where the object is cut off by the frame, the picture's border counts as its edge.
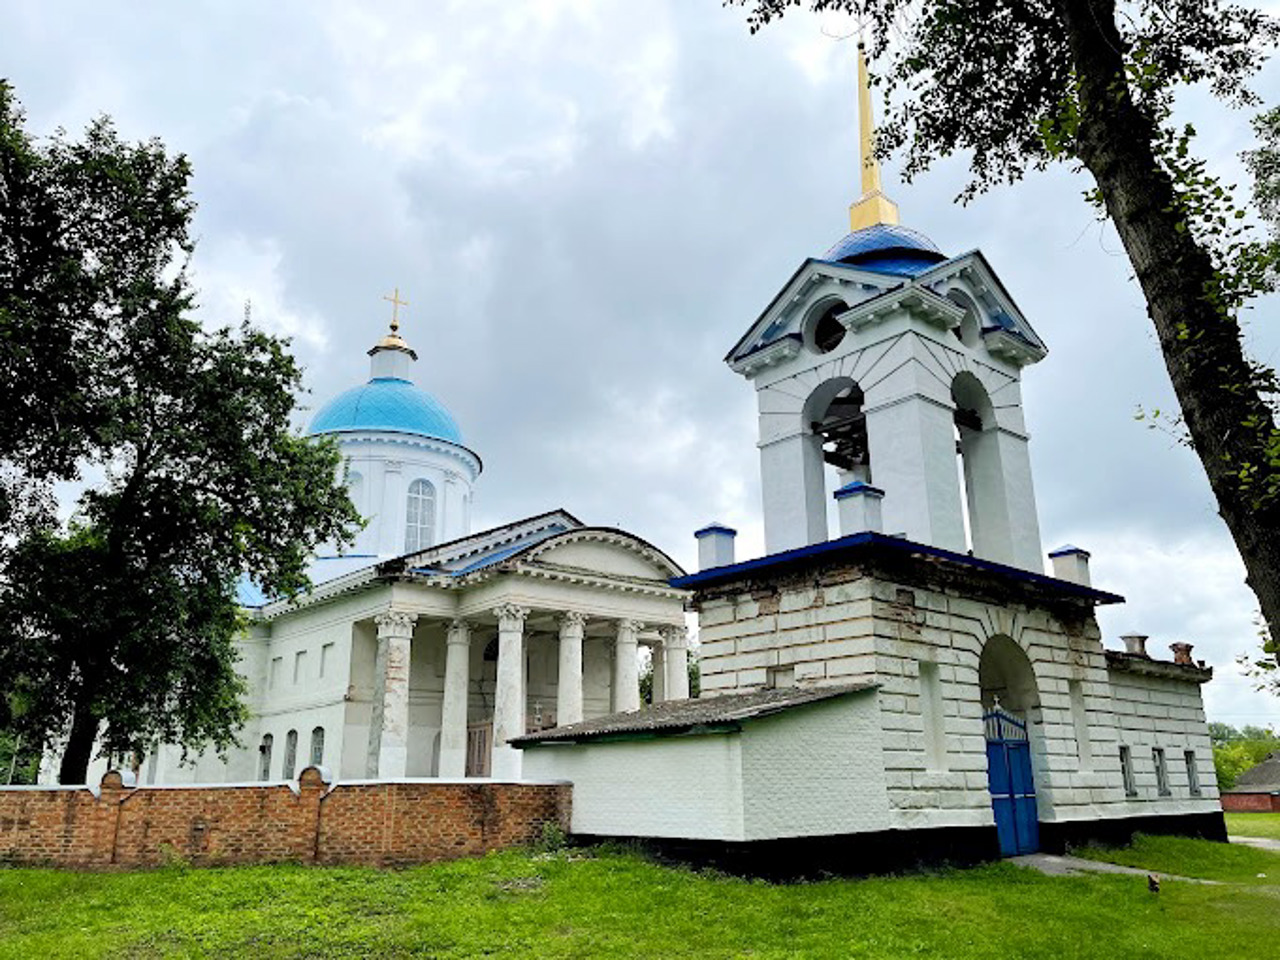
(1006, 330)
(775, 336)
(600, 552)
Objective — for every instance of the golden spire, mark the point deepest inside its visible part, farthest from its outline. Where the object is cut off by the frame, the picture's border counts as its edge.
(393, 340)
(873, 206)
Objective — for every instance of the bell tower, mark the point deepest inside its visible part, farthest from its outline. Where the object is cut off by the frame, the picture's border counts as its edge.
(888, 364)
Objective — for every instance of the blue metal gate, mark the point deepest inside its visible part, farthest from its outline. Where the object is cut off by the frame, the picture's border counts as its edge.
(1013, 792)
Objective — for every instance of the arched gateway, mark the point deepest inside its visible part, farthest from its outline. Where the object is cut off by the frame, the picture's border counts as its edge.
(1011, 705)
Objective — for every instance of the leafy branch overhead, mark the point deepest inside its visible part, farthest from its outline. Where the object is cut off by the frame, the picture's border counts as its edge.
(117, 626)
(1015, 85)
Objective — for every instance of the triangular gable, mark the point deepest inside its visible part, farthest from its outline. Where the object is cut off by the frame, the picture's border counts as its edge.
(778, 319)
(1003, 312)
(604, 551)
(488, 546)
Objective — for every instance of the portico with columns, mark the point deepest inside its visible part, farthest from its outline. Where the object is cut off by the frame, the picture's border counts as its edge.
(432, 661)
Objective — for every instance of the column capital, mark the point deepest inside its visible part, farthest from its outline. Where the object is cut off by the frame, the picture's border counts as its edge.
(673, 637)
(508, 612)
(395, 623)
(572, 619)
(630, 626)
(459, 632)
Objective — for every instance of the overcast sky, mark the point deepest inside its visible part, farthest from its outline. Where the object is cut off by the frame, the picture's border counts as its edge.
(586, 202)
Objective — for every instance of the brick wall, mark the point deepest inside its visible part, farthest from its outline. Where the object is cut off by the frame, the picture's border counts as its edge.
(375, 823)
(1251, 802)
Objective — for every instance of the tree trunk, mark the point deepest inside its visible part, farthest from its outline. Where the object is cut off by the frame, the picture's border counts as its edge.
(1202, 348)
(79, 751)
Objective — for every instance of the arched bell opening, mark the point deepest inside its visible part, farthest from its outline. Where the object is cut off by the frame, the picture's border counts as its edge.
(836, 450)
(982, 481)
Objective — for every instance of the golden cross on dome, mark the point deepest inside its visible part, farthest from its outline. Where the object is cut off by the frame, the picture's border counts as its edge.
(396, 304)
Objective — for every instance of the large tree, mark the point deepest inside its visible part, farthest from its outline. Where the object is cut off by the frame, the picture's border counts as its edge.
(117, 624)
(1018, 84)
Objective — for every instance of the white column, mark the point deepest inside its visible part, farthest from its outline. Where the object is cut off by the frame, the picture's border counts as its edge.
(676, 642)
(569, 689)
(626, 671)
(508, 698)
(395, 635)
(659, 661)
(453, 710)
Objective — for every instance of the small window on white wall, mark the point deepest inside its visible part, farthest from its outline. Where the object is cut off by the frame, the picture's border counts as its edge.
(290, 754)
(1193, 775)
(420, 516)
(264, 757)
(317, 746)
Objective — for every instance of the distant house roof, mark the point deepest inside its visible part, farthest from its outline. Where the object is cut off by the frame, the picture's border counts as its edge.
(683, 716)
(1264, 778)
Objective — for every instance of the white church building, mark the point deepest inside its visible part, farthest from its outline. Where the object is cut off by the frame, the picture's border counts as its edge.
(425, 648)
(897, 678)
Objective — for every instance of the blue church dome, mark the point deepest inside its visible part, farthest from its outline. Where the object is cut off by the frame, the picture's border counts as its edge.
(387, 403)
(887, 248)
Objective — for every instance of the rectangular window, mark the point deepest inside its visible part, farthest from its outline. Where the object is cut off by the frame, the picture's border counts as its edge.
(274, 679)
(931, 714)
(1126, 770)
(1162, 771)
(326, 655)
(299, 666)
(1193, 775)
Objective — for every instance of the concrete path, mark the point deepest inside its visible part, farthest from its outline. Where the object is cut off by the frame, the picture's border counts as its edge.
(1057, 866)
(1261, 843)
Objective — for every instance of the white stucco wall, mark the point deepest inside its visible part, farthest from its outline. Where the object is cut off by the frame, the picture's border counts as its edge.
(812, 770)
(673, 787)
(816, 770)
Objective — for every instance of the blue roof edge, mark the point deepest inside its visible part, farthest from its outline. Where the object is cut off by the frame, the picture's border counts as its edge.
(861, 541)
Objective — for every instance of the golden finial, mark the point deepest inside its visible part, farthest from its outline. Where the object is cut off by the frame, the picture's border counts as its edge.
(393, 340)
(873, 206)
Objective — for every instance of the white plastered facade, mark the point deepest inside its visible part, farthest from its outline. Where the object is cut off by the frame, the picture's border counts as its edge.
(568, 597)
(860, 627)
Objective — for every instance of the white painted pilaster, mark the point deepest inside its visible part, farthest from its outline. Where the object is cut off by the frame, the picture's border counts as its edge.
(675, 640)
(453, 710)
(508, 698)
(569, 689)
(395, 635)
(626, 671)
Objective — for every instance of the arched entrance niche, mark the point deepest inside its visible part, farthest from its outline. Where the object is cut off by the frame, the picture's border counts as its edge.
(1004, 671)
(836, 450)
(1011, 721)
(981, 473)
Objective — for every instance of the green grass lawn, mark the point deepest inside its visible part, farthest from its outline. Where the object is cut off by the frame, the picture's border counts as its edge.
(1254, 825)
(620, 905)
(1182, 856)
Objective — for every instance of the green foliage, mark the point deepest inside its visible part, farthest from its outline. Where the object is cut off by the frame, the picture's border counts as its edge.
(121, 622)
(695, 679)
(1235, 751)
(19, 763)
(616, 905)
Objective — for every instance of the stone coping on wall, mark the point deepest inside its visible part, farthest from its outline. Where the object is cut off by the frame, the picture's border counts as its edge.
(1144, 666)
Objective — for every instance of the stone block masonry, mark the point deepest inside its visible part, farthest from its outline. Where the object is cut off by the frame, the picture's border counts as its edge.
(373, 823)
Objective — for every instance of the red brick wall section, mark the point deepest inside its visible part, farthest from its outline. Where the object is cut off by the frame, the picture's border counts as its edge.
(372, 823)
(1251, 802)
